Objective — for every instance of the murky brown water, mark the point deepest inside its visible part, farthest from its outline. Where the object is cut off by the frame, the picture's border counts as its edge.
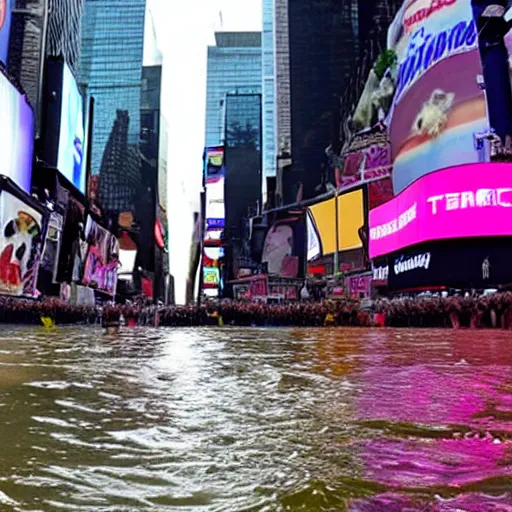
(255, 420)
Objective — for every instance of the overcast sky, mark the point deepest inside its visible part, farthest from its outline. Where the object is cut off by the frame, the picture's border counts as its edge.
(185, 28)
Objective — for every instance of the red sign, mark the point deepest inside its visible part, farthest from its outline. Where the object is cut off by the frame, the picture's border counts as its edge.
(259, 287)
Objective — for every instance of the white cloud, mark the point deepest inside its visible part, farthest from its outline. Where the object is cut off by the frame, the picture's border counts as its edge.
(184, 30)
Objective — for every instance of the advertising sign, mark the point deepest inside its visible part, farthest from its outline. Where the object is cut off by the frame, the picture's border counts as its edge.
(322, 217)
(359, 286)
(71, 153)
(5, 28)
(459, 202)
(438, 105)
(21, 241)
(102, 258)
(16, 135)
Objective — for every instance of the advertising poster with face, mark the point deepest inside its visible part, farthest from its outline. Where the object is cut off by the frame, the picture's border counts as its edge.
(21, 241)
(102, 260)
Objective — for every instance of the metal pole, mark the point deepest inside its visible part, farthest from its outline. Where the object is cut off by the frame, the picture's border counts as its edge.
(336, 227)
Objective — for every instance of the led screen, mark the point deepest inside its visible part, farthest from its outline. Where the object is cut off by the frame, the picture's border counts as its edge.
(16, 135)
(21, 241)
(71, 138)
(437, 105)
(5, 28)
(466, 201)
(323, 221)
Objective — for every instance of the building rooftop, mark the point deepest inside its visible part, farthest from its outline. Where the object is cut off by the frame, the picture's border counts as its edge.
(238, 39)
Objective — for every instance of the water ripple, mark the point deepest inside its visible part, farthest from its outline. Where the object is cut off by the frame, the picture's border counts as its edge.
(232, 420)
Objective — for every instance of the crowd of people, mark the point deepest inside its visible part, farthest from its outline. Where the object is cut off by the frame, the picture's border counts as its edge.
(493, 311)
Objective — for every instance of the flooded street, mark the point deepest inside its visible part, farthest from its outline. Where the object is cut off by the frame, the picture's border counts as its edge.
(255, 420)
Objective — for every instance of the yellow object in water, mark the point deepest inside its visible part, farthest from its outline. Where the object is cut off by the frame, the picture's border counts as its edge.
(329, 319)
(47, 322)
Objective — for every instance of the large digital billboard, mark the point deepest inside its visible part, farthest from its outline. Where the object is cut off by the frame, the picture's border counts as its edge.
(322, 234)
(70, 160)
(16, 135)
(438, 105)
(473, 200)
(5, 28)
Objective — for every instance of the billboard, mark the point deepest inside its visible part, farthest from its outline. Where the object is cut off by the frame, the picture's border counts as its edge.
(16, 135)
(473, 200)
(102, 259)
(322, 220)
(434, 116)
(214, 176)
(21, 242)
(5, 28)
(70, 160)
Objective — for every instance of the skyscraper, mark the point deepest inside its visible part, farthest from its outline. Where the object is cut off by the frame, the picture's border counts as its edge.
(269, 95)
(40, 28)
(111, 71)
(243, 173)
(324, 45)
(234, 66)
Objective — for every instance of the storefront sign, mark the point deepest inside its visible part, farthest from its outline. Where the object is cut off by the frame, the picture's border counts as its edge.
(462, 264)
(407, 263)
(460, 202)
(381, 273)
(359, 286)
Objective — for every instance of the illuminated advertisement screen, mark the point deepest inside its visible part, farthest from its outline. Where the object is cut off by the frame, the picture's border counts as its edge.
(437, 105)
(16, 135)
(322, 224)
(21, 243)
(465, 201)
(5, 28)
(70, 160)
(211, 277)
(214, 183)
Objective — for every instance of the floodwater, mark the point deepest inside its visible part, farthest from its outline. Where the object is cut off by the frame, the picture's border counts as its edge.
(255, 420)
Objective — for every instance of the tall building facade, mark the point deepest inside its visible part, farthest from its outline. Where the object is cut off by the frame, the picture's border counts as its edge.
(324, 45)
(40, 28)
(323, 53)
(269, 97)
(234, 66)
(243, 161)
(111, 71)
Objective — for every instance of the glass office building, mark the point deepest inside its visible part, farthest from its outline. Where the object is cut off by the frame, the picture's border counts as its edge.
(242, 191)
(234, 66)
(111, 71)
(269, 94)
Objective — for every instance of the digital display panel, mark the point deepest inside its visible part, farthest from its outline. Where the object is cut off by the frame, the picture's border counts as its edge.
(466, 201)
(16, 135)
(71, 152)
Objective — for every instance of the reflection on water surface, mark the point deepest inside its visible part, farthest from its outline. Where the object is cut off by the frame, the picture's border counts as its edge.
(255, 420)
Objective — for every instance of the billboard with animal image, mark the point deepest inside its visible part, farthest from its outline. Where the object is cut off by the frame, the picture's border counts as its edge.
(425, 88)
(438, 105)
(21, 244)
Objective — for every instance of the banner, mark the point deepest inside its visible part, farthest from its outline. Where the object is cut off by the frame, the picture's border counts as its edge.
(21, 244)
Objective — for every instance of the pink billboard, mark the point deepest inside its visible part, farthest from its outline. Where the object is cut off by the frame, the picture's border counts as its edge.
(473, 200)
